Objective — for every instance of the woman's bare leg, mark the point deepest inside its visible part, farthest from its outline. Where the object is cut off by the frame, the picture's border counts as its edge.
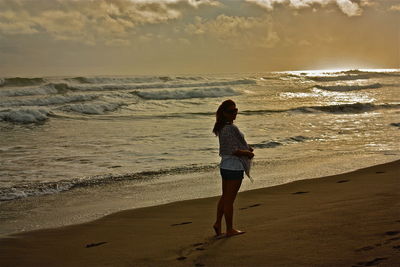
(220, 210)
(229, 197)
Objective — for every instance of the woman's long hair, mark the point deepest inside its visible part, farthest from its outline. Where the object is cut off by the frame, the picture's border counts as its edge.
(219, 115)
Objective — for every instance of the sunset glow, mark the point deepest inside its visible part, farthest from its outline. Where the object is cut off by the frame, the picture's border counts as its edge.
(129, 37)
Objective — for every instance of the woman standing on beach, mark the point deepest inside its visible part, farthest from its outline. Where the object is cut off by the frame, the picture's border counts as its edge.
(236, 157)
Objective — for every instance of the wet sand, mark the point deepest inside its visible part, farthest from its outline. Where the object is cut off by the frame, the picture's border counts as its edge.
(350, 219)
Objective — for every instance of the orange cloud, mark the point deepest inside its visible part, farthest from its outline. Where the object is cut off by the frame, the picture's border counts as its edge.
(350, 8)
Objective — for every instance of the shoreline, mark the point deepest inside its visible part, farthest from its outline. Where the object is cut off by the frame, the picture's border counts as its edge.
(349, 219)
(85, 204)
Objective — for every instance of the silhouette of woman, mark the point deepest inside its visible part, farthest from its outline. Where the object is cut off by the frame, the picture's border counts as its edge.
(236, 157)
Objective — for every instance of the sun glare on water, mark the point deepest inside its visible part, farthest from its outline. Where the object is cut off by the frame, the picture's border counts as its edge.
(325, 72)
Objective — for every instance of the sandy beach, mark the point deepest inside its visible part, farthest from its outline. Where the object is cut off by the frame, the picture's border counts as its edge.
(349, 219)
(116, 117)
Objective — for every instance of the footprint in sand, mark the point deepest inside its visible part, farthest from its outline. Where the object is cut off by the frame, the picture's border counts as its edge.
(197, 246)
(251, 206)
(194, 249)
(186, 252)
(182, 223)
(364, 248)
(392, 233)
(115, 166)
(373, 262)
(300, 192)
(95, 244)
(390, 240)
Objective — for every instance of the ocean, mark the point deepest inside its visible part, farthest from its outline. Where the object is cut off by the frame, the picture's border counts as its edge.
(142, 138)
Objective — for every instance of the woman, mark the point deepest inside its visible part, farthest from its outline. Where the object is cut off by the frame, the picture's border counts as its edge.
(236, 157)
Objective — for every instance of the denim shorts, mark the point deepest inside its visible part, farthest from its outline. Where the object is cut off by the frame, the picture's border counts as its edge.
(231, 174)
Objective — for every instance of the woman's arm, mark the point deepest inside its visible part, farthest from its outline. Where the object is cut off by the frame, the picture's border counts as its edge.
(246, 153)
(229, 139)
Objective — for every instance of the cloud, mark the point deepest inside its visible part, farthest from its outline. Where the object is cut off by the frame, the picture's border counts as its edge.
(395, 8)
(90, 21)
(11, 23)
(367, 3)
(350, 8)
(236, 31)
(194, 3)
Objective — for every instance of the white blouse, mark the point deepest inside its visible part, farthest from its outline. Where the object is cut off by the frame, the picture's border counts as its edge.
(231, 162)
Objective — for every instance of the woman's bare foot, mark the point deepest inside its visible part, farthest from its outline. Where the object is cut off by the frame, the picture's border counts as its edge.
(217, 229)
(234, 232)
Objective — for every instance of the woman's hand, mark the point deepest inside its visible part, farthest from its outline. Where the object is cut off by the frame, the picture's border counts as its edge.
(246, 153)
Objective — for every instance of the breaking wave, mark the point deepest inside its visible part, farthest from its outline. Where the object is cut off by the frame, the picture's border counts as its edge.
(33, 115)
(342, 108)
(372, 74)
(37, 86)
(347, 108)
(275, 143)
(124, 80)
(344, 88)
(339, 78)
(103, 87)
(47, 101)
(94, 108)
(352, 75)
(270, 144)
(25, 115)
(186, 94)
(48, 89)
(37, 114)
(45, 188)
(18, 81)
(347, 75)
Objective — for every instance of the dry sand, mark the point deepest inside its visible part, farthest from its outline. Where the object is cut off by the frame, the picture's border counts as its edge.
(350, 219)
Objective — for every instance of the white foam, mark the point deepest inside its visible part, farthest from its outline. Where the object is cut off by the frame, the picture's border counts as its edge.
(26, 115)
(46, 101)
(343, 88)
(112, 87)
(26, 91)
(26, 191)
(339, 77)
(118, 80)
(347, 108)
(185, 94)
(91, 108)
(125, 80)
(20, 81)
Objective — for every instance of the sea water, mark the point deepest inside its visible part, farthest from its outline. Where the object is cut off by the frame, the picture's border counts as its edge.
(65, 134)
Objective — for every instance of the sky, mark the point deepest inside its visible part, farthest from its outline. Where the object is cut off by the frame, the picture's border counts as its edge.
(161, 37)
